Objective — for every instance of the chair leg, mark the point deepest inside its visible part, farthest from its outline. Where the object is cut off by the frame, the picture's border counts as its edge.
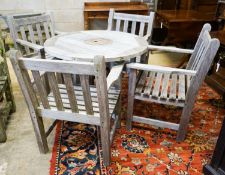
(40, 133)
(119, 104)
(184, 121)
(131, 90)
(105, 139)
(119, 108)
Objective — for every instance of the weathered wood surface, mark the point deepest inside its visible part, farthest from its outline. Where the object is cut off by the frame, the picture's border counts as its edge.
(173, 86)
(85, 45)
(170, 49)
(84, 103)
(131, 90)
(101, 86)
(123, 19)
(30, 31)
(161, 69)
(85, 68)
(31, 100)
(141, 25)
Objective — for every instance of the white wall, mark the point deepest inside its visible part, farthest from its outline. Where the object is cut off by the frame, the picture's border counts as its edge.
(68, 14)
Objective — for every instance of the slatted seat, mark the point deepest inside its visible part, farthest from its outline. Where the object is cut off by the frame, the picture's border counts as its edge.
(113, 96)
(163, 88)
(172, 86)
(63, 100)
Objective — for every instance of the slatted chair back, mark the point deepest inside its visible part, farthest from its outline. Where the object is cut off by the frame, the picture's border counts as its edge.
(35, 29)
(55, 101)
(140, 24)
(81, 103)
(200, 47)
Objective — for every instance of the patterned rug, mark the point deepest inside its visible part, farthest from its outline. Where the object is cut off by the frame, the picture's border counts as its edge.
(146, 149)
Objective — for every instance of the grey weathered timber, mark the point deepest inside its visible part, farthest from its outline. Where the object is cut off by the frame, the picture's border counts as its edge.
(101, 85)
(84, 81)
(84, 45)
(83, 103)
(30, 32)
(55, 89)
(123, 20)
(7, 103)
(70, 90)
(31, 100)
(141, 25)
(170, 49)
(141, 83)
(206, 27)
(195, 84)
(85, 68)
(149, 84)
(41, 89)
(172, 86)
(131, 90)
(165, 84)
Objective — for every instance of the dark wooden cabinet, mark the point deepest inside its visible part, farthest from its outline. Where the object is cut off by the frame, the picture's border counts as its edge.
(216, 79)
(217, 165)
(207, 6)
(100, 10)
(167, 5)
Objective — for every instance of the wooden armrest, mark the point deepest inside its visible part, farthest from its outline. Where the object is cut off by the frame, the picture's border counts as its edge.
(170, 49)
(30, 45)
(161, 69)
(59, 32)
(114, 75)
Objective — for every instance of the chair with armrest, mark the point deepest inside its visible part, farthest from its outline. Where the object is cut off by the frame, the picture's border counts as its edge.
(29, 32)
(96, 105)
(132, 23)
(172, 86)
(142, 25)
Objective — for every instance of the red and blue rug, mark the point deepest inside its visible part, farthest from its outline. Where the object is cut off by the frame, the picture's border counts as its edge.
(144, 150)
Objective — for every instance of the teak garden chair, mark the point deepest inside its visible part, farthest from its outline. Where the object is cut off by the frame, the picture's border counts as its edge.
(96, 105)
(140, 25)
(30, 32)
(172, 86)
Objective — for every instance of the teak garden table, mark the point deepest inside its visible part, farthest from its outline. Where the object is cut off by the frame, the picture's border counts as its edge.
(84, 45)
